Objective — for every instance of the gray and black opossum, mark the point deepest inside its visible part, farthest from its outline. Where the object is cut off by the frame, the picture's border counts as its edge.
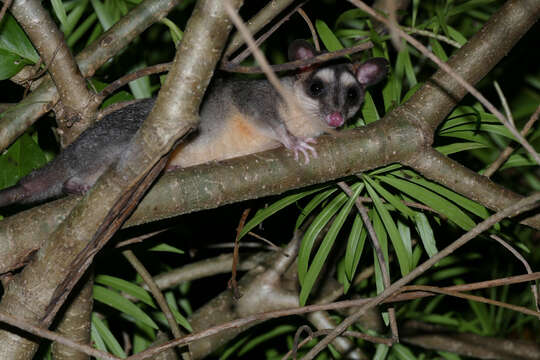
(237, 117)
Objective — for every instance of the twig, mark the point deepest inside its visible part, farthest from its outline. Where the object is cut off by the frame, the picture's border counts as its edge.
(247, 51)
(505, 154)
(292, 65)
(378, 251)
(471, 89)
(466, 287)
(521, 206)
(476, 298)
(311, 29)
(115, 85)
(312, 335)
(154, 289)
(232, 282)
(47, 334)
(534, 288)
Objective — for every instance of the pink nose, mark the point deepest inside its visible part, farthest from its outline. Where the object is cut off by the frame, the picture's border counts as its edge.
(335, 119)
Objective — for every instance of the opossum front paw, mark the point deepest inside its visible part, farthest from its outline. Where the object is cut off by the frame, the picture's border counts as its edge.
(302, 146)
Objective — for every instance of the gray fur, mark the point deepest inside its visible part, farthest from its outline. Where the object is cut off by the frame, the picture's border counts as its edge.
(78, 167)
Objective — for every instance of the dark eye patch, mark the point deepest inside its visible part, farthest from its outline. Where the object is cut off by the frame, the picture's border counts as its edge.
(352, 94)
(316, 88)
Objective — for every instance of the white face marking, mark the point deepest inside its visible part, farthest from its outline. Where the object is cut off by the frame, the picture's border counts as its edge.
(326, 75)
(347, 79)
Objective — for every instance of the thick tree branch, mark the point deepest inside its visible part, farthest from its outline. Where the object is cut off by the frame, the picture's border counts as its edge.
(78, 103)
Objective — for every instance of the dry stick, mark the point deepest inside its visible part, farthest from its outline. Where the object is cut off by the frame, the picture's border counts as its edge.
(311, 335)
(410, 295)
(292, 65)
(476, 298)
(521, 206)
(115, 85)
(380, 256)
(50, 335)
(311, 29)
(534, 288)
(232, 282)
(154, 289)
(268, 242)
(402, 296)
(471, 89)
(247, 51)
(509, 149)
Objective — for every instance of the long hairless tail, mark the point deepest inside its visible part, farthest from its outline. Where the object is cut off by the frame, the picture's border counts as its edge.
(12, 195)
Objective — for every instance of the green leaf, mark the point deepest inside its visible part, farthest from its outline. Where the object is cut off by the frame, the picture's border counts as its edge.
(392, 199)
(402, 352)
(437, 49)
(59, 11)
(432, 200)
(74, 17)
(369, 110)
(20, 158)
(426, 234)
(355, 247)
(125, 286)
(180, 319)
(117, 301)
(82, 29)
(166, 248)
(461, 200)
(312, 205)
(265, 213)
(176, 33)
(105, 16)
(313, 231)
(107, 337)
(458, 147)
(276, 332)
(325, 247)
(403, 256)
(14, 40)
(10, 64)
(330, 41)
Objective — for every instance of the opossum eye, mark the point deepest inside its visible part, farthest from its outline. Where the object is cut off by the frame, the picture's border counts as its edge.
(316, 88)
(352, 94)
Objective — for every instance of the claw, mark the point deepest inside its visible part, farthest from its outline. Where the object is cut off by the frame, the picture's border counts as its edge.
(303, 147)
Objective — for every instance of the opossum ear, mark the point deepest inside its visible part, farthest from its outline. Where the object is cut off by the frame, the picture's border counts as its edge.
(301, 50)
(372, 71)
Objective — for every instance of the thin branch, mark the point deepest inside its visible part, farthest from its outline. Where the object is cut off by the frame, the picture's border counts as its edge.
(311, 28)
(246, 52)
(312, 335)
(232, 282)
(505, 154)
(534, 288)
(292, 65)
(50, 335)
(154, 289)
(378, 251)
(476, 298)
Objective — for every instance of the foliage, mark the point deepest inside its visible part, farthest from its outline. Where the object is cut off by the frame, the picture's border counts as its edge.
(335, 234)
